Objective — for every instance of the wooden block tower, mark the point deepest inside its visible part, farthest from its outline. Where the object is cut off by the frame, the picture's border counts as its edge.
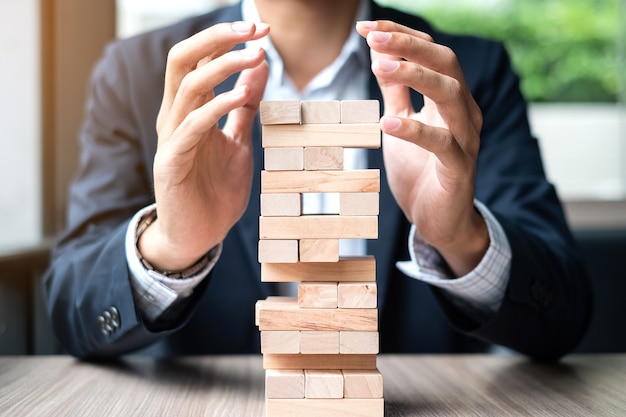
(319, 348)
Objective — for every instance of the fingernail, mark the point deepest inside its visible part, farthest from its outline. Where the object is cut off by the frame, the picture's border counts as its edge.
(380, 37)
(366, 24)
(241, 27)
(391, 123)
(388, 65)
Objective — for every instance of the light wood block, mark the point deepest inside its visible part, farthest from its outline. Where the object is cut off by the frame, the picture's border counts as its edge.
(322, 158)
(278, 251)
(320, 111)
(325, 407)
(352, 181)
(276, 341)
(362, 384)
(357, 295)
(317, 295)
(286, 315)
(323, 383)
(274, 361)
(362, 135)
(284, 383)
(359, 204)
(358, 343)
(360, 111)
(319, 250)
(280, 205)
(319, 227)
(360, 268)
(283, 159)
(280, 112)
(319, 342)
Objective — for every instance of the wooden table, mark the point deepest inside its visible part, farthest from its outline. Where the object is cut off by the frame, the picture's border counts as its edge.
(415, 385)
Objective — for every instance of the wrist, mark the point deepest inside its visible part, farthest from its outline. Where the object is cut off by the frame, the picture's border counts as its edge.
(155, 254)
(467, 249)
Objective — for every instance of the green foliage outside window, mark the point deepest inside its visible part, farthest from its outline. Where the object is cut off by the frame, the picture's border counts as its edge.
(564, 50)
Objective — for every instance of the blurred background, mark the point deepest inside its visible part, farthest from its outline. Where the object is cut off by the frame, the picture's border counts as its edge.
(570, 54)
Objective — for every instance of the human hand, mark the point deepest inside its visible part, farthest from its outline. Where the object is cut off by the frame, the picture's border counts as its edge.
(430, 155)
(203, 174)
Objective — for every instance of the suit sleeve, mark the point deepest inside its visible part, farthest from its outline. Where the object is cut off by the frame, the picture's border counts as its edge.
(88, 278)
(546, 306)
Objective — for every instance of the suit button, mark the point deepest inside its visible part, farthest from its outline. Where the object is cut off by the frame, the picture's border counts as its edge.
(109, 321)
(115, 317)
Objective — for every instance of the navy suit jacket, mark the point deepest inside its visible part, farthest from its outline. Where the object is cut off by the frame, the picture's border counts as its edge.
(547, 301)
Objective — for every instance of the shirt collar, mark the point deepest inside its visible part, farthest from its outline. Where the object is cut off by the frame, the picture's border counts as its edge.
(354, 46)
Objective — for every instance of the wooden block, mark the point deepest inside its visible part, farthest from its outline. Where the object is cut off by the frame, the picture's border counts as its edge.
(362, 384)
(320, 111)
(319, 342)
(362, 135)
(360, 111)
(278, 251)
(286, 315)
(273, 300)
(323, 383)
(359, 204)
(317, 295)
(280, 112)
(353, 181)
(284, 159)
(319, 250)
(358, 268)
(284, 383)
(322, 158)
(319, 227)
(358, 343)
(289, 205)
(273, 361)
(276, 341)
(325, 407)
(357, 295)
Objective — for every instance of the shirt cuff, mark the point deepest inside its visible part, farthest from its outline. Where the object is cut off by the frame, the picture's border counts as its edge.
(480, 292)
(154, 292)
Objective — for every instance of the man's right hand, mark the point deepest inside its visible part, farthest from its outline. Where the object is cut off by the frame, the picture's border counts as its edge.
(203, 174)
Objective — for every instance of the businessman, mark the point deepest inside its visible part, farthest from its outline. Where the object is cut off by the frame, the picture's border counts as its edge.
(160, 248)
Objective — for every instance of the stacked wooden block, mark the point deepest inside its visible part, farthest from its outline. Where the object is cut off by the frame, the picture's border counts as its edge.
(319, 349)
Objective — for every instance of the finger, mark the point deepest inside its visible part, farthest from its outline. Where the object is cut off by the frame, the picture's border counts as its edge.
(440, 88)
(366, 26)
(393, 39)
(205, 46)
(396, 96)
(449, 94)
(437, 140)
(197, 87)
(202, 120)
(240, 120)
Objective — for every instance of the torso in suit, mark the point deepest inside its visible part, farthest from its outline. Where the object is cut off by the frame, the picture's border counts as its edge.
(546, 305)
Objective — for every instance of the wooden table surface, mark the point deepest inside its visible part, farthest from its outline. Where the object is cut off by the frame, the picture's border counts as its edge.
(415, 385)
